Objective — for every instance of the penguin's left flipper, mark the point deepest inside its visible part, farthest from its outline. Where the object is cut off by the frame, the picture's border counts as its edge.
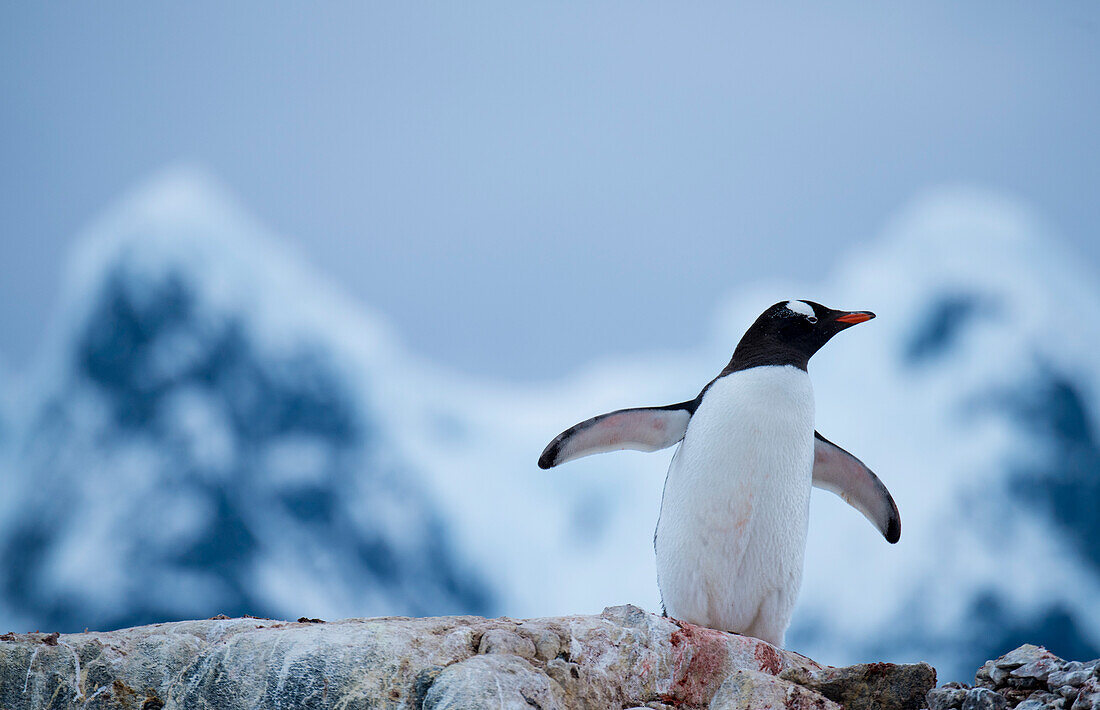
(644, 429)
(838, 471)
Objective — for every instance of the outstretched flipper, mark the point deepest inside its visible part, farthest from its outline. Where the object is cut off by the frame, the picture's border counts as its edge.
(838, 471)
(644, 429)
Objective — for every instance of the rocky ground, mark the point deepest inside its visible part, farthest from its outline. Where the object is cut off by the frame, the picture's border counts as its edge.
(1028, 678)
(623, 658)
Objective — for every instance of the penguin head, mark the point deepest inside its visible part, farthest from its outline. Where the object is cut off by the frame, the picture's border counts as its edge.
(790, 332)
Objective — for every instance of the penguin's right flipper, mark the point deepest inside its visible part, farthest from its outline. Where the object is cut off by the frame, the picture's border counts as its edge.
(644, 429)
(839, 472)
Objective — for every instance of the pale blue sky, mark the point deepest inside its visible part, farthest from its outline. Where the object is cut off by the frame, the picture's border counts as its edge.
(521, 187)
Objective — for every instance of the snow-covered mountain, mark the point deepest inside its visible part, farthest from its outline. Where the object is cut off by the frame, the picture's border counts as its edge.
(214, 429)
(194, 447)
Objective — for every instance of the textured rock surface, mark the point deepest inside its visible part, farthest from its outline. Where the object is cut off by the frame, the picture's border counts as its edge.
(622, 658)
(1028, 678)
(868, 686)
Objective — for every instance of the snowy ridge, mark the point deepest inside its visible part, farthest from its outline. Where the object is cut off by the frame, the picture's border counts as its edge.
(197, 443)
(972, 395)
(199, 230)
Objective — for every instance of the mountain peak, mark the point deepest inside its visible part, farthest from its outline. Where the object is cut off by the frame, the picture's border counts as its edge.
(184, 224)
(981, 240)
(963, 216)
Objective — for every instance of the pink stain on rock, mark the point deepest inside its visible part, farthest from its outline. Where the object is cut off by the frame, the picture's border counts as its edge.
(700, 658)
(768, 658)
(703, 658)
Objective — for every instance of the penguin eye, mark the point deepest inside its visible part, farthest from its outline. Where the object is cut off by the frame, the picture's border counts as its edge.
(812, 319)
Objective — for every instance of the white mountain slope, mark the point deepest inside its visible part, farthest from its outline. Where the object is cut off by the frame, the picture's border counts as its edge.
(361, 480)
(197, 443)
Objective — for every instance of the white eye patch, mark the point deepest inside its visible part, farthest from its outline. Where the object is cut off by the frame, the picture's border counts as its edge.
(801, 308)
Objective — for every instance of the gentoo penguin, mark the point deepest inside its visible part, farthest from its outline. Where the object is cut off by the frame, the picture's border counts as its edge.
(731, 535)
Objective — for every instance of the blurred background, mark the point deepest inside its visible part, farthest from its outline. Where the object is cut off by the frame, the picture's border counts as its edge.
(292, 299)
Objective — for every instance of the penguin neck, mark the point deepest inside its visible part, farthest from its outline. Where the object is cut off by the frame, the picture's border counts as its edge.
(758, 352)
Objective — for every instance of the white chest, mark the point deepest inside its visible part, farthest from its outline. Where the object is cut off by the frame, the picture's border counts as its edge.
(732, 532)
(753, 428)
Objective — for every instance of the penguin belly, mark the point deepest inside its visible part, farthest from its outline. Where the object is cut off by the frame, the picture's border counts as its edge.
(731, 536)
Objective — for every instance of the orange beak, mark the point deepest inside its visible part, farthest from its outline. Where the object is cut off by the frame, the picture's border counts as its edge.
(855, 317)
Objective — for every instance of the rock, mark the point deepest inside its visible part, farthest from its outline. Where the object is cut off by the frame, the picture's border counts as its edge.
(1027, 678)
(1074, 679)
(1041, 701)
(506, 642)
(982, 678)
(566, 674)
(496, 680)
(945, 698)
(1039, 669)
(623, 657)
(752, 690)
(1023, 655)
(1023, 668)
(983, 699)
(1088, 698)
(885, 686)
(998, 675)
(547, 646)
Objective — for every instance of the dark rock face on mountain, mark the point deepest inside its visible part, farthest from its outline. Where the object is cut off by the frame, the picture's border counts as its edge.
(1059, 481)
(945, 320)
(184, 466)
(623, 658)
(1057, 415)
